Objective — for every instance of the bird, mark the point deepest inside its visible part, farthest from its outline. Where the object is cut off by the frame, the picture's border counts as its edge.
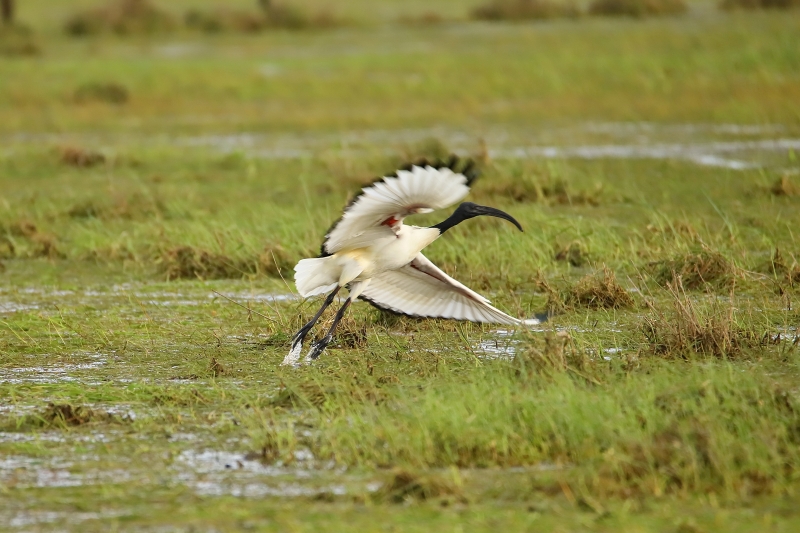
(379, 259)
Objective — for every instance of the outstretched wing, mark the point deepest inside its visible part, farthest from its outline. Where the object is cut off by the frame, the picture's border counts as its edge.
(382, 206)
(421, 289)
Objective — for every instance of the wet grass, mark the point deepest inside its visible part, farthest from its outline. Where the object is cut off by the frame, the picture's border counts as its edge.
(146, 298)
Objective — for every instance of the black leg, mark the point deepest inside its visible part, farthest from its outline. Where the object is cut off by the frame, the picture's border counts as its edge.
(321, 344)
(300, 336)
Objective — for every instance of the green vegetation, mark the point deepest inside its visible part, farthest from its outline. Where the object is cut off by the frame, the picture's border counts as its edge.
(157, 185)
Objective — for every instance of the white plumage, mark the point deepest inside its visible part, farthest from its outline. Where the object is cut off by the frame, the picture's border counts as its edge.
(420, 190)
(370, 251)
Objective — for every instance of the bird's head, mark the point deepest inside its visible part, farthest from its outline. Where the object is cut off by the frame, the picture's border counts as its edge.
(469, 210)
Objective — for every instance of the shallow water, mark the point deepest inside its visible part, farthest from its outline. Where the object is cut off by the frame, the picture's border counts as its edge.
(732, 146)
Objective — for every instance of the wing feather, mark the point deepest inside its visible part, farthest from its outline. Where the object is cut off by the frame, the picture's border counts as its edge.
(422, 289)
(419, 188)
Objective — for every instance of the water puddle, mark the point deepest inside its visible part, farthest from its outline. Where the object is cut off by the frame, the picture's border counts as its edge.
(731, 146)
(54, 373)
(28, 519)
(501, 346)
(734, 155)
(48, 301)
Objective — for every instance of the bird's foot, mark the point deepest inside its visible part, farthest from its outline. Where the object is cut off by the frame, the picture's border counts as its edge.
(293, 357)
(317, 348)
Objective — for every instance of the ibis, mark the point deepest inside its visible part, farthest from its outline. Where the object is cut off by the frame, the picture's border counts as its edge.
(379, 259)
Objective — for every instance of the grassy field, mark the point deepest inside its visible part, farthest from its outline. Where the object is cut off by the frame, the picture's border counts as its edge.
(156, 191)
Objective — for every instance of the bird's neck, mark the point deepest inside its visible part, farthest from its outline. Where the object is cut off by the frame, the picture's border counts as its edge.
(456, 218)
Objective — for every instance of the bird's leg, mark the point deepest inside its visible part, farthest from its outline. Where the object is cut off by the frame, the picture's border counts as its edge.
(318, 347)
(300, 336)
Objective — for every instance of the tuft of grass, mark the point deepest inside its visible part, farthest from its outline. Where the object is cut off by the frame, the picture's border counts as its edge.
(598, 291)
(270, 16)
(637, 8)
(18, 41)
(691, 327)
(785, 186)
(573, 253)
(135, 206)
(427, 18)
(79, 157)
(525, 10)
(543, 188)
(216, 368)
(189, 262)
(405, 486)
(123, 17)
(730, 5)
(554, 353)
(290, 17)
(24, 239)
(109, 93)
(696, 270)
(225, 20)
(781, 268)
(60, 415)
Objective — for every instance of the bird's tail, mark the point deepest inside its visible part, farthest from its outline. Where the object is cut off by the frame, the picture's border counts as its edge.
(315, 276)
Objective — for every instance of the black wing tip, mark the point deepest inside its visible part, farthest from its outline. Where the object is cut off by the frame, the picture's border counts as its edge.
(376, 305)
(459, 165)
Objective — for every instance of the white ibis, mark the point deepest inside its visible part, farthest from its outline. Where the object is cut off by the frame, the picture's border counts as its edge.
(378, 258)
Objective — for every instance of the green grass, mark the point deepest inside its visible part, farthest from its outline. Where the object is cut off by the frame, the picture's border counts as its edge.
(660, 396)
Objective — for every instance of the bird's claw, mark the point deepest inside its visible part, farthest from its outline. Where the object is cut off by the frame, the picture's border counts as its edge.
(317, 348)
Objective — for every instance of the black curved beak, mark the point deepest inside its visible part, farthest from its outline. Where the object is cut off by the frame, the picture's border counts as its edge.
(482, 210)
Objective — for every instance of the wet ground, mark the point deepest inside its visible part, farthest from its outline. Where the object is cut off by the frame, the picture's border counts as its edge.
(732, 146)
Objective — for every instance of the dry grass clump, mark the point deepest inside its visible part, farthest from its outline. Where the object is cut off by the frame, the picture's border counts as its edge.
(40, 244)
(428, 18)
(784, 186)
(696, 270)
(637, 8)
(533, 189)
(79, 157)
(598, 291)
(759, 4)
(428, 149)
(350, 333)
(62, 415)
(404, 486)
(216, 368)
(17, 41)
(122, 17)
(554, 353)
(690, 328)
(187, 262)
(778, 266)
(270, 16)
(525, 10)
(136, 206)
(109, 93)
(67, 415)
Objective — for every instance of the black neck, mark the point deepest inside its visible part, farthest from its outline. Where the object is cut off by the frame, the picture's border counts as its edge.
(457, 217)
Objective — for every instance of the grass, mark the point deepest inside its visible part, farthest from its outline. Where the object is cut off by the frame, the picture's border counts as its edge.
(157, 190)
